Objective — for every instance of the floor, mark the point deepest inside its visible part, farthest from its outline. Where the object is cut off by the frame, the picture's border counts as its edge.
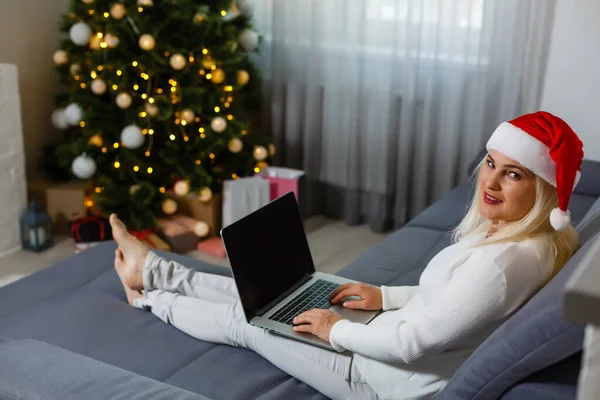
(333, 245)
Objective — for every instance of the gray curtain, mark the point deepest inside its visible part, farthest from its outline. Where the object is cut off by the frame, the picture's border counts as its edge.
(385, 102)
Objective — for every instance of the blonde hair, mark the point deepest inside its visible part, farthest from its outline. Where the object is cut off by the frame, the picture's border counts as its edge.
(534, 225)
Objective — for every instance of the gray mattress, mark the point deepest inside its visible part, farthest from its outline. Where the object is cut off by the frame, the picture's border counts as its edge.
(79, 305)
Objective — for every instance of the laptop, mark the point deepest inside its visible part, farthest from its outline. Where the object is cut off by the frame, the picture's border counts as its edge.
(274, 271)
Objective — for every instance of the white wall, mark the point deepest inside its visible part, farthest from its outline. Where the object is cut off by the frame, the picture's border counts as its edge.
(572, 85)
(29, 35)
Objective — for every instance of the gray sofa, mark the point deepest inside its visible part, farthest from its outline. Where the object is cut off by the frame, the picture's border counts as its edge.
(67, 331)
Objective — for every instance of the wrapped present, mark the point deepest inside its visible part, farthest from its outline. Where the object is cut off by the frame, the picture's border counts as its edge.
(207, 211)
(87, 232)
(151, 239)
(285, 180)
(178, 233)
(243, 196)
(65, 200)
(213, 246)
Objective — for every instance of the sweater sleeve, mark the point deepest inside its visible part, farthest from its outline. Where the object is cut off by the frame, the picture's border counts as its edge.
(474, 297)
(395, 297)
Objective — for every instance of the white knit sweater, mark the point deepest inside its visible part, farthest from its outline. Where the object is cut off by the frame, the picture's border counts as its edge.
(464, 294)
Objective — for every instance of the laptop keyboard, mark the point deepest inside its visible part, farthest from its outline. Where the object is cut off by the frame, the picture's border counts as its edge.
(314, 296)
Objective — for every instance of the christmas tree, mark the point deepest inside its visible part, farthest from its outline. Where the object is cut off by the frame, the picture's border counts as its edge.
(156, 94)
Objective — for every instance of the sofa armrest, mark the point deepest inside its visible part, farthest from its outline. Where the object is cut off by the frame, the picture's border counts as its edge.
(30, 369)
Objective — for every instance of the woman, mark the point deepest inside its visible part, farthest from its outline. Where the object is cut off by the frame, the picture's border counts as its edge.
(513, 239)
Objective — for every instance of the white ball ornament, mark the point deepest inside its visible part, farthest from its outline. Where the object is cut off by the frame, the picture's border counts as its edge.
(181, 188)
(201, 229)
(248, 39)
(259, 153)
(235, 145)
(151, 109)
(187, 115)
(218, 124)
(117, 11)
(80, 34)
(59, 119)
(111, 40)
(132, 137)
(123, 100)
(145, 3)
(245, 7)
(133, 189)
(177, 61)
(147, 42)
(74, 113)
(169, 206)
(98, 86)
(205, 194)
(60, 57)
(83, 166)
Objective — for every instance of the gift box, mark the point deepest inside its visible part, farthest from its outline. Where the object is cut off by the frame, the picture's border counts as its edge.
(87, 232)
(178, 233)
(64, 200)
(284, 180)
(209, 212)
(151, 239)
(243, 196)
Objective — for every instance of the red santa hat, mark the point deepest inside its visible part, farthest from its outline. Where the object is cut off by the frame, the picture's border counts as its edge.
(547, 146)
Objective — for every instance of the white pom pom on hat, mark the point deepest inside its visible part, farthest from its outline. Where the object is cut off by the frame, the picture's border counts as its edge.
(547, 146)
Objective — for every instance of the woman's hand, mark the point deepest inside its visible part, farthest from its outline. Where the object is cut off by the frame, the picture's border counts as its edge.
(370, 296)
(316, 321)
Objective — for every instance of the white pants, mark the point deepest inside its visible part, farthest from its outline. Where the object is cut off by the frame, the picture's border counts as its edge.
(207, 307)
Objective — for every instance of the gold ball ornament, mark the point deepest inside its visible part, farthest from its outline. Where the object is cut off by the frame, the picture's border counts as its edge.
(187, 115)
(207, 62)
(181, 188)
(260, 153)
(201, 229)
(147, 42)
(218, 124)
(235, 145)
(111, 40)
(205, 194)
(60, 57)
(272, 149)
(96, 140)
(117, 11)
(218, 76)
(177, 61)
(151, 109)
(123, 100)
(95, 42)
(98, 86)
(243, 77)
(133, 189)
(169, 206)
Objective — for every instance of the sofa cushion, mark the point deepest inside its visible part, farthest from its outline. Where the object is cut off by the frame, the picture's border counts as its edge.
(535, 337)
(590, 224)
(445, 214)
(30, 369)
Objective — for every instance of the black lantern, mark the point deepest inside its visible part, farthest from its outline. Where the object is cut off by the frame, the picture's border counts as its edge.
(36, 229)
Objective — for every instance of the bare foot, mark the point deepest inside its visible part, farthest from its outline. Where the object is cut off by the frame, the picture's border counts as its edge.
(121, 268)
(133, 255)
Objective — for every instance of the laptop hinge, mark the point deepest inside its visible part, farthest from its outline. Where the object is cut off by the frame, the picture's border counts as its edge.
(285, 294)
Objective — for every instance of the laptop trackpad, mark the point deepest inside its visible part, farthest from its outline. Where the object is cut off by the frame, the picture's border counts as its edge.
(360, 316)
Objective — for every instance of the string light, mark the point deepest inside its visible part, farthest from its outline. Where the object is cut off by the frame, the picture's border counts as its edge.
(172, 137)
(208, 76)
(114, 87)
(204, 51)
(230, 117)
(143, 114)
(149, 170)
(226, 105)
(198, 162)
(234, 176)
(177, 121)
(202, 72)
(244, 132)
(223, 13)
(151, 100)
(217, 109)
(100, 67)
(184, 123)
(159, 91)
(211, 156)
(197, 119)
(201, 130)
(99, 34)
(230, 99)
(213, 67)
(147, 153)
(103, 45)
(91, 12)
(173, 89)
(82, 124)
(191, 59)
(82, 85)
(202, 136)
(104, 150)
(97, 190)
(135, 63)
(151, 131)
(116, 145)
(76, 77)
(162, 190)
(185, 138)
(93, 74)
(136, 168)
(117, 164)
(144, 95)
(106, 15)
(89, 203)
(119, 72)
(144, 131)
(256, 169)
(140, 9)
(167, 54)
(135, 87)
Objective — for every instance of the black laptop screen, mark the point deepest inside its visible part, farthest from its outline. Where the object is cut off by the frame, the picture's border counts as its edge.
(268, 253)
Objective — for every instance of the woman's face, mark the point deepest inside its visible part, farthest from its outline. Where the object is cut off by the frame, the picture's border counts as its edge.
(507, 188)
